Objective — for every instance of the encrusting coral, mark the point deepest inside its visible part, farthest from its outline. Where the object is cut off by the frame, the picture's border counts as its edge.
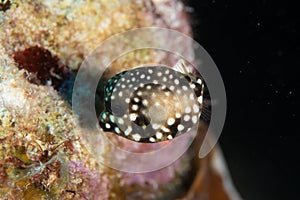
(42, 44)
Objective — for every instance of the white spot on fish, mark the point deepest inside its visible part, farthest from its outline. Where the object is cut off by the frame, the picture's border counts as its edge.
(200, 99)
(117, 130)
(128, 130)
(107, 125)
(148, 87)
(159, 135)
(180, 127)
(139, 93)
(136, 137)
(192, 96)
(196, 108)
(165, 129)
(145, 102)
(120, 121)
(177, 115)
(194, 119)
(199, 81)
(112, 118)
(187, 109)
(170, 137)
(171, 121)
(155, 126)
(133, 116)
(186, 118)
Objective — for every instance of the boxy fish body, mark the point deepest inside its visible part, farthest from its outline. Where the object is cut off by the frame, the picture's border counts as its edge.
(152, 103)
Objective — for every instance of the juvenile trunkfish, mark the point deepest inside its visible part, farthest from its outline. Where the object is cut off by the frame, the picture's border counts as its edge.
(152, 103)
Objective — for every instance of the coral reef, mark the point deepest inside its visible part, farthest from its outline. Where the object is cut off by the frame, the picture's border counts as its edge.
(42, 44)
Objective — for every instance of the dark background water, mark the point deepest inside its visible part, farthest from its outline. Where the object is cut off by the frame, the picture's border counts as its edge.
(254, 44)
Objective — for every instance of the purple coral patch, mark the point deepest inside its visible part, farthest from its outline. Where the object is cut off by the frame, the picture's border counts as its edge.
(94, 185)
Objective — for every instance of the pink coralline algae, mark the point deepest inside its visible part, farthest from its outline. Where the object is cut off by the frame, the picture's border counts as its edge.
(154, 179)
(88, 184)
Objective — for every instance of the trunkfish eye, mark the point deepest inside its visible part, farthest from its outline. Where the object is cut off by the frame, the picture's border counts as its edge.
(152, 103)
